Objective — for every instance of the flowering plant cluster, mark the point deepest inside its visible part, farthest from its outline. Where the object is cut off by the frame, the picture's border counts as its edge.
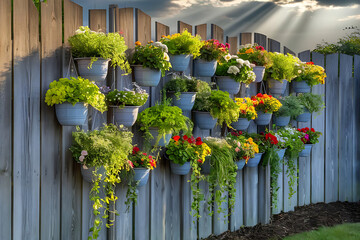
(187, 149)
(183, 43)
(282, 67)
(152, 55)
(255, 54)
(238, 69)
(126, 98)
(87, 43)
(310, 73)
(309, 136)
(244, 148)
(139, 159)
(247, 109)
(213, 50)
(265, 103)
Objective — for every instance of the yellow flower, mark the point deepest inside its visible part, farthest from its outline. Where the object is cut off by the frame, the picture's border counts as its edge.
(250, 50)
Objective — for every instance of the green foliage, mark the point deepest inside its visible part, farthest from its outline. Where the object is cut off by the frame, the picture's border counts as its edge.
(108, 147)
(152, 55)
(312, 102)
(238, 69)
(222, 175)
(180, 84)
(349, 44)
(183, 43)
(75, 90)
(291, 106)
(213, 50)
(126, 98)
(255, 54)
(220, 106)
(87, 43)
(283, 67)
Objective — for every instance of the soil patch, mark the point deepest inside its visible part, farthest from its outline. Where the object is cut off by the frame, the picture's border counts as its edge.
(303, 219)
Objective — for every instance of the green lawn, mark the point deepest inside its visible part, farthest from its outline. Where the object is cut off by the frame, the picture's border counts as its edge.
(348, 231)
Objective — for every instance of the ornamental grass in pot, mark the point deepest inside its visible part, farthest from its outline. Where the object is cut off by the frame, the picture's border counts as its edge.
(290, 108)
(312, 103)
(265, 105)
(71, 98)
(150, 63)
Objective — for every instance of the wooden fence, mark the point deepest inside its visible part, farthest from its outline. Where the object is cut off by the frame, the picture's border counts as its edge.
(43, 195)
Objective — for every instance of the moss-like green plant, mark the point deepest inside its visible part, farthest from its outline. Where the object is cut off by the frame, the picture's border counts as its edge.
(291, 106)
(312, 102)
(75, 90)
(282, 68)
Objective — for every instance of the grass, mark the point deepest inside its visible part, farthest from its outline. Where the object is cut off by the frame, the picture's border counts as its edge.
(348, 231)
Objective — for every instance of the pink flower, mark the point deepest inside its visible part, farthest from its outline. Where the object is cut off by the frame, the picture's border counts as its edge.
(237, 149)
(239, 144)
(131, 164)
(81, 158)
(84, 153)
(306, 136)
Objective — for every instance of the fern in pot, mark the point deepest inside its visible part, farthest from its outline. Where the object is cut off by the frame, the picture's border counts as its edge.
(290, 108)
(312, 103)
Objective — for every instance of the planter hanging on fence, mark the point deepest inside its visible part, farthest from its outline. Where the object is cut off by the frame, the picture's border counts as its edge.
(306, 151)
(204, 120)
(126, 116)
(281, 153)
(180, 169)
(259, 73)
(301, 87)
(281, 121)
(71, 115)
(141, 175)
(179, 63)
(304, 117)
(185, 101)
(162, 143)
(240, 164)
(277, 87)
(227, 84)
(204, 68)
(241, 124)
(146, 77)
(263, 118)
(254, 162)
(88, 175)
(97, 72)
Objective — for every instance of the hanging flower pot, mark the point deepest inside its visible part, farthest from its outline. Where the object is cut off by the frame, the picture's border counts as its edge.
(304, 117)
(162, 143)
(227, 84)
(179, 63)
(146, 77)
(87, 173)
(241, 124)
(277, 87)
(185, 101)
(301, 86)
(180, 169)
(254, 162)
(240, 164)
(259, 73)
(281, 121)
(126, 116)
(97, 72)
(281, 153)
(263, 118)
(71, 115)
(205, 68)
(306, 151)
(204, 120)
(141, 175)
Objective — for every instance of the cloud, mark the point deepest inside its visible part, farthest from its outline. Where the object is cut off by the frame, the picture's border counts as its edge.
(353, 17)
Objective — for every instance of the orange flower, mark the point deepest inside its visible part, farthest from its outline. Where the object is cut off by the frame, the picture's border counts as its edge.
(250, 50)
(137, 43)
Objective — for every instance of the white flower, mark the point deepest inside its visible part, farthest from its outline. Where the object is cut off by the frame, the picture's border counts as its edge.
(240, 61)
(249, 45)
(85, 167)
(233, 70)
(247, 63)
(166, 56)
(299, 71)
(227, 57)
(79, 31)
(81, 158)
(234, 57)
(252, 65)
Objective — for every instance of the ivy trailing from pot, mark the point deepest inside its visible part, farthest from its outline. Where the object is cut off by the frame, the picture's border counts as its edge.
(104, 153)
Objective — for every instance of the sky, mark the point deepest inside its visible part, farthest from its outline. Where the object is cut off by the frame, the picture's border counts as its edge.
(297, 24)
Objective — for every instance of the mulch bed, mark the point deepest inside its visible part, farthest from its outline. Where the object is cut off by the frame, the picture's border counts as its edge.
(303, 219)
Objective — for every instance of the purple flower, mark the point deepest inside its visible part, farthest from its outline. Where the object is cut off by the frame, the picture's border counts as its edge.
(307, 136)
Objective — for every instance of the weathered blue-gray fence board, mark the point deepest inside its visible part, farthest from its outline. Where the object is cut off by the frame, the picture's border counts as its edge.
(124, 221)
(172, 207)
(220, 220)
(141, 224)
(6, 120)
(318, 151)
(236, 218)
(289, 203)
(331, 122)
(260, 39)
(356, 169)
(278, 207)
(346, 126)
(251, 181)
(273, 45)
(188, 223)
(264, 202)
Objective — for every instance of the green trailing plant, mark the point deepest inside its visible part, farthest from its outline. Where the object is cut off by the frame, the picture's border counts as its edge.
(106, 148)
(183, 43)
(152, 55)
(222, 175)
(283, 67)
(213, 50)
(291, 106)
(75, 90)
(220, 106)
(311, 102)
(87, 43)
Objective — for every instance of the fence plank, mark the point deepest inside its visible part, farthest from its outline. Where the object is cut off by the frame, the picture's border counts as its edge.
(73, 18)
(245, 38)
(237, 219)
(331, 122)
(142, 215)
(287, 50)
(279, 206)
(273, 45)
(201, 30)
(260, 39)
(250, 196)
(347, 128)
(289, 204)
(233, 41)
(188, 223)
(5, 119)
(172, 207)
(125, 23)
(205, 222)
(160, 30)
(181, 26)
(217, 33)
(356, 168)
(124, 221)
(97, 20)
(318, 151)
(143, 26)
(264, 202)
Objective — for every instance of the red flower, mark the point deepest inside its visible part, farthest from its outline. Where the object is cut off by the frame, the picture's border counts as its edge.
(261, 48)
(227, 45)
(176, 138)
(240, 132)
(199, 142)
(259, 95)
(135, 150)
(312, 129)
(299, 129)
(192, 139)
(307, 129)
(144, 154)
(261, 102)
(199, 161)
(310, 63)
(185, 137)
(198, 139)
